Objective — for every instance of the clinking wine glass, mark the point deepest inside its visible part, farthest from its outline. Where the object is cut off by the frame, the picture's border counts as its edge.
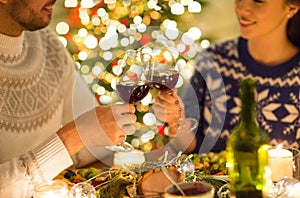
(161, 73)
(131, 85)
(152, 66)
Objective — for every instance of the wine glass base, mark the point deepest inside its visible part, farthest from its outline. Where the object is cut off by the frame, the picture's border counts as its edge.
(123, 147)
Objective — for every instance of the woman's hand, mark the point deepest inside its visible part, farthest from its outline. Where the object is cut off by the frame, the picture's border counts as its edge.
(168, 107)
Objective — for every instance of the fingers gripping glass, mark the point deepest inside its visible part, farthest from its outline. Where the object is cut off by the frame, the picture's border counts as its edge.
(152, 66)
(162, 74)
(131, 85)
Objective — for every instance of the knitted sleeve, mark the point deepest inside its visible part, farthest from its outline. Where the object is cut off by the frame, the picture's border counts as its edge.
(18, 176)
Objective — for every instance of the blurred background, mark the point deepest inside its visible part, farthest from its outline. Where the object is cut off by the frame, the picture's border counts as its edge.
(98, 32)
(216, 19)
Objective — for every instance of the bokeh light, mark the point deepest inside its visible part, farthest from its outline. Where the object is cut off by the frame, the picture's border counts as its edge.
(102, 31)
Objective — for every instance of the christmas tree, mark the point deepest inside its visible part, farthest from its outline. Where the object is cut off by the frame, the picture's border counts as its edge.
(98, 33)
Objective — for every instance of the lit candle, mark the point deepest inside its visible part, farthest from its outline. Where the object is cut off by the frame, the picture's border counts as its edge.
(130, 158)
(281, 163)
(51, 189)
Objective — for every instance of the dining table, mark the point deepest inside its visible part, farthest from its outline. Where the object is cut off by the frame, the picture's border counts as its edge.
(151, 180)
(148, 179)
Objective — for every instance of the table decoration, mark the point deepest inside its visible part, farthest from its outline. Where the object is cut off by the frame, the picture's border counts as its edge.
(189, 167)
(51, 189)
(109, 182)
(82, 190)
(137, 181)
(285, 188)
(148, 179)
(280, 163)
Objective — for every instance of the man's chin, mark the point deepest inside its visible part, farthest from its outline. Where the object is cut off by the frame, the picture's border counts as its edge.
(37, 27)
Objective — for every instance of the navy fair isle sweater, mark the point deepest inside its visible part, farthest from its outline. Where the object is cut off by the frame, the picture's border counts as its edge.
(213, 96)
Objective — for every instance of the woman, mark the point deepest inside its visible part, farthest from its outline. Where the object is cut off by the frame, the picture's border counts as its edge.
(268, 51)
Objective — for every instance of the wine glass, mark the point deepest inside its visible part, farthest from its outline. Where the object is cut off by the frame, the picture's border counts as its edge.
(161, 73)
(82, 190)
(184, 164)
(131, 85)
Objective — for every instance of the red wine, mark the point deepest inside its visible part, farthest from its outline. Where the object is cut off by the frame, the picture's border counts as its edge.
(132, 92)
(163, 79)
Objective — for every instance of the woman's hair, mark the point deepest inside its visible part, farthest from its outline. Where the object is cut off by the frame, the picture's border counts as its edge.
(293, 26)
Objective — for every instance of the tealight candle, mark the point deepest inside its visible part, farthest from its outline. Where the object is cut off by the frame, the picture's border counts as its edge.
(281, 163)
(51, 189)
(129, 158)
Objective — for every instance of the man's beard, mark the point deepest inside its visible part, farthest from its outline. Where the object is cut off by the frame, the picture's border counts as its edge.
(28, 18)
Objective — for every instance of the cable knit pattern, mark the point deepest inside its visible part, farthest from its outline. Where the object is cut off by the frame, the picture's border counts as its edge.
(37, 79)
(11, 50)
(30, 85)
(10, 59)
(36, 84)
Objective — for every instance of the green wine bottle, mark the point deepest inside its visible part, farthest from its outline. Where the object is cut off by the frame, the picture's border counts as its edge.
(247, 149)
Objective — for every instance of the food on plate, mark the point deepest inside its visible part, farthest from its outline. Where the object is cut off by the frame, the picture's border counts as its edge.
(108, 183)
(120, 183)
(148, 179)
(210, 163)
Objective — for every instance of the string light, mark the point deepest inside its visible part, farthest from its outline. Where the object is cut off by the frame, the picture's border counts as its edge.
(87, 3)
(185, 2)
(90, 42)
(205, 43)
(177, 9)
(194, 7)
(110, 1)
(105, 29)
(71, 3)
(62, 28)
(63, 40)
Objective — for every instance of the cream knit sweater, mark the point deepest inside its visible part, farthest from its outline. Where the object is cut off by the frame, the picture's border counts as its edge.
(37, 77)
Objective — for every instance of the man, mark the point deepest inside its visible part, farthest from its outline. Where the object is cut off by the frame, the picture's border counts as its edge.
(41, 95)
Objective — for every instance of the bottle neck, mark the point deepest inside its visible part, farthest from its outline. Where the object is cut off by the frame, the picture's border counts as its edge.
(248, 111)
